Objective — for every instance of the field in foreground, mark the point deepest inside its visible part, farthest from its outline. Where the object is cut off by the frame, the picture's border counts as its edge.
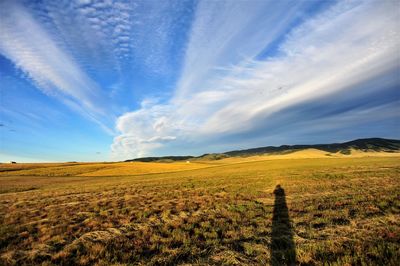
(342, 211)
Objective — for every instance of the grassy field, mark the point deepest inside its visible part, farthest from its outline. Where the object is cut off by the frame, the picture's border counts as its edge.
(326, 209)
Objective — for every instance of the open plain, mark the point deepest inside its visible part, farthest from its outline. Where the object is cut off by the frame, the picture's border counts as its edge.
(305, 208)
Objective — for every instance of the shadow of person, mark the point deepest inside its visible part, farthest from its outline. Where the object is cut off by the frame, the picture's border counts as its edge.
(283, 250)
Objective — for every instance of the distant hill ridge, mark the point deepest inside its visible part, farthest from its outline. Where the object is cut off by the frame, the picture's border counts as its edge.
(370, 144)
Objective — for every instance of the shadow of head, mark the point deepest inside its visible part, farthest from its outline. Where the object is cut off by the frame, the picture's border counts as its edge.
(279, 191)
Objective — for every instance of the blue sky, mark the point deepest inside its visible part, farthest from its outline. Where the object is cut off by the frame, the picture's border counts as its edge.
(112, 80)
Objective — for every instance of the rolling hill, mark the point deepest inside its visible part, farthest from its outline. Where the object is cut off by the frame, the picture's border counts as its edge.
(363, 145)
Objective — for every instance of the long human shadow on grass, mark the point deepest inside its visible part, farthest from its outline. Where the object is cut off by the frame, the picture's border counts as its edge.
(283, 249)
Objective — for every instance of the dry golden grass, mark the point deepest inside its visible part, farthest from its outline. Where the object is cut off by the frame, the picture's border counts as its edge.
(137, 168)
(338, 211)
(140, 168)
(302, 154)
(51, 169)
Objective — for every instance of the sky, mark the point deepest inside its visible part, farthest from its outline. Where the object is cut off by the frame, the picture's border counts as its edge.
(112, 80)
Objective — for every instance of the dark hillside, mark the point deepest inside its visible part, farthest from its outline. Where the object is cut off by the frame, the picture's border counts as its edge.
(370, 144)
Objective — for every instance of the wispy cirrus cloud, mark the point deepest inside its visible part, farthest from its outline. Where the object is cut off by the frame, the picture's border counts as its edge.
(85, 55)
(345, 56)
(226, 33)
(80, 51)
(24, 42)
(242, 73)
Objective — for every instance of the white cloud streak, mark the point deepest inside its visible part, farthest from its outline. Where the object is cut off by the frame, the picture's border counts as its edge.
(24, 42)
(68, 48)
(334, 52)
(227, 32)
